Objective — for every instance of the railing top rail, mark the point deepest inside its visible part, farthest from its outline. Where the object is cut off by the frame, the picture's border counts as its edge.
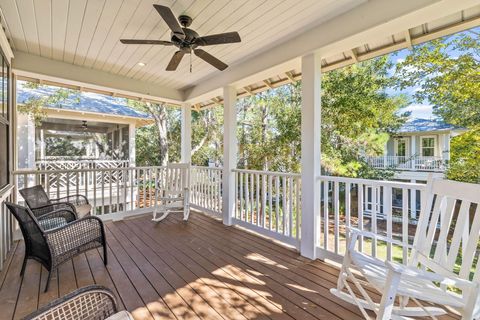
(30, 171)
(5, 192)
(269, 173)
(205, 167)
(393, 184)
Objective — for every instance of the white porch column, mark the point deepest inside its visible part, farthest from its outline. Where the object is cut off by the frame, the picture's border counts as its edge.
(413, 150)
(131, 144)
(229, 153)
(186, 153)
(310, 161)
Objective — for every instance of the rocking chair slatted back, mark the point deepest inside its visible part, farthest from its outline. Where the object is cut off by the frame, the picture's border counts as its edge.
(177, 178)
(448, 235)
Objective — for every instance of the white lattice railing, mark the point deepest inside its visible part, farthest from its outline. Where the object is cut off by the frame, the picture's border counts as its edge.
(111, 191)
(407, 163)
(370, 205)
(206, 189)
(85, 177)
(269, 203)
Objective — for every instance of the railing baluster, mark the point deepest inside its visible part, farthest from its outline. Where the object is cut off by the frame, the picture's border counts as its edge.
(336, 222)
(325, 216)
(284, 204)
(270, 203)
(360, 214)
(405, 222)
(257, 189)
(387, 211)
(373, 218)
(348, 199)
(277, 202)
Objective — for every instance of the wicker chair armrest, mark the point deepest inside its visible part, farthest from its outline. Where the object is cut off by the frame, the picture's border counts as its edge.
(67, 215)
(91, 302)
(76, 199)
(75, 234)
(42, 210)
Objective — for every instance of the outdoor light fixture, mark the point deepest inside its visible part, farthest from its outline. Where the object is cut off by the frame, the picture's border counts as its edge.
(141, 64)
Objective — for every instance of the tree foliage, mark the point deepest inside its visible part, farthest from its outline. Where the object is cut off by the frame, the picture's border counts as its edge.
(447, 72)
(357, 117)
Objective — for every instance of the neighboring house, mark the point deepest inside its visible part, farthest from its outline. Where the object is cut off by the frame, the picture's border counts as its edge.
(419, 148)
(105, 125)
(102, 127)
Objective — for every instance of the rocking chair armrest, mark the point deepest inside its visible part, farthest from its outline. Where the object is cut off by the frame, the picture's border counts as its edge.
(430, 276)
(357, 232)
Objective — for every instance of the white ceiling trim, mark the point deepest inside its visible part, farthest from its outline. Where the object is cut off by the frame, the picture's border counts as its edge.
(33, 66)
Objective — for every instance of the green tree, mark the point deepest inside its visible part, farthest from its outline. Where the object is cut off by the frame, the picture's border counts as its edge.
(447, 71)
(357, 117)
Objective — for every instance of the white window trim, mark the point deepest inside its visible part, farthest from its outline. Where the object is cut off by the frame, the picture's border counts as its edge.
(435, 145)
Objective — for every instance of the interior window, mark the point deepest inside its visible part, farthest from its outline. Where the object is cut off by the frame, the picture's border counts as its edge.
(428, 147)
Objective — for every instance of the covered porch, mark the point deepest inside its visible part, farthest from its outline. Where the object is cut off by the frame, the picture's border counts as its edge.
(258, 244)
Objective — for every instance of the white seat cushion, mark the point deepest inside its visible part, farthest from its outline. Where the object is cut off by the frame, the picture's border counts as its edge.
(376, 271)
(83, 210)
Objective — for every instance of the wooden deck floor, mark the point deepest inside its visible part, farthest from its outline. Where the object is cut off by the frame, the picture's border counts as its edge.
(195, 270)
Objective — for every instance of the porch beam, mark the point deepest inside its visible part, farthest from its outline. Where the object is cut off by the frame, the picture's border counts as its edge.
(311, 155)
(48, 70)
(186, 142)
(229, 153)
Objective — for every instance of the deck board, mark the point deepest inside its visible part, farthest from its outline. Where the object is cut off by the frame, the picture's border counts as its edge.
(196, 270)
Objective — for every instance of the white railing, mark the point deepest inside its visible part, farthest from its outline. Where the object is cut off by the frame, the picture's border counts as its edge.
(113, 192)
(6, 225)
(407, 163)
(206, 189)
(269, 203)
(366, 205)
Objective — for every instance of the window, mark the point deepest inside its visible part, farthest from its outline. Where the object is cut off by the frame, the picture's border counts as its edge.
(4, 121)
(428, 146)
(401, 147)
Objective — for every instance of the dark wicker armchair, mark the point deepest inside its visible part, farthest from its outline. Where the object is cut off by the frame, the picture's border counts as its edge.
(87, 303)
(61, 241)
(37, 200)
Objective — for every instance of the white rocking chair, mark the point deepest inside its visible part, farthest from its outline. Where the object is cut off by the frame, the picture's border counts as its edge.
(173, 192)
(447, 228)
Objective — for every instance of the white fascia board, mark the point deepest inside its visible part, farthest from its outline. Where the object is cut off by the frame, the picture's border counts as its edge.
(371, 20)
(34, 66)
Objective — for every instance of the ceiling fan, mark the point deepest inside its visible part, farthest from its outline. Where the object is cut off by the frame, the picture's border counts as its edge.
(187, 40)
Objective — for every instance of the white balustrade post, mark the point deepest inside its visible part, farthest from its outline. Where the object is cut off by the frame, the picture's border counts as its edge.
(186, 154)
(131, 144)
(229, 153)
(413, 201)
(310, 161)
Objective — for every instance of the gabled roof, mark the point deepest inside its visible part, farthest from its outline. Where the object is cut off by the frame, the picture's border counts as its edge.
(83, 102)
(426, 125)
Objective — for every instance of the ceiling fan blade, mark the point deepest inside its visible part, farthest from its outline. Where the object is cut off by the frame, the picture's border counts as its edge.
(175, 61)
(170, 20)
(210, 59)
(138, 41)
(221, 38)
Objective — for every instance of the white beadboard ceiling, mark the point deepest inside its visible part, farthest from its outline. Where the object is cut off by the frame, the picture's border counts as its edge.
(87, 32)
